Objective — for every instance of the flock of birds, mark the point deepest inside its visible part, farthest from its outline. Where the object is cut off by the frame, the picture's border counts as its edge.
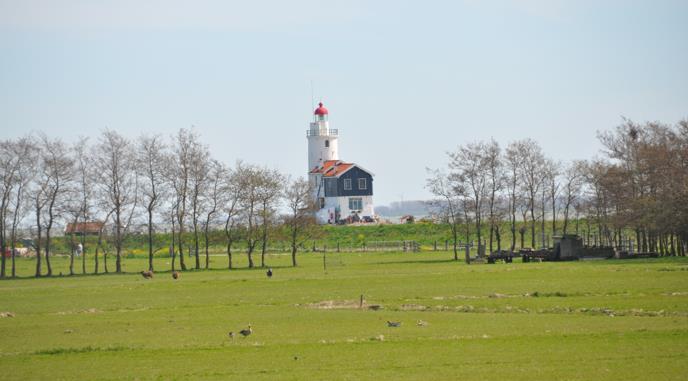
(392, 324)
(248, 331)
(149, 274)
(176, 274)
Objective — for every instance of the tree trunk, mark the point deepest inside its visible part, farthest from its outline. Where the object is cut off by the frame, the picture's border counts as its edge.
(532, 226)
(181, 249)
(71, 261)
(95, 259)
(118, 244)
(71, 254)
(263, 248)
(14, 267)
(83, 255)
(2, 246)
(229, 254)
(47, 251)
(492, 231)
(455, 236)
(150, 239)
(198, 259)
(249, 254)
(38, 241)
(207, 244)
(293, 255)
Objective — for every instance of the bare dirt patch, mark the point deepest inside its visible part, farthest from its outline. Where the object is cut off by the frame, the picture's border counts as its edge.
(343, 304)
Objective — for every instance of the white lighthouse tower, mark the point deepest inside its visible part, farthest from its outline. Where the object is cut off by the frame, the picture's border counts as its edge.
(322, 140)
(342, 191)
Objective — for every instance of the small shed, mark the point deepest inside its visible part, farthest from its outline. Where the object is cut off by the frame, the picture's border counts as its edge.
(568, 246)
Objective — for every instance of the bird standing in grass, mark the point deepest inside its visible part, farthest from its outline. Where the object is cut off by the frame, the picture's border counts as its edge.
(246, 332)
(231, 335)
(269, 273)
(176, 275)
(422, 323)
(393, 324)
(147, 274)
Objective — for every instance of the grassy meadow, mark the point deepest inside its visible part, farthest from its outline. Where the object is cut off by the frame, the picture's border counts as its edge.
(590, 320)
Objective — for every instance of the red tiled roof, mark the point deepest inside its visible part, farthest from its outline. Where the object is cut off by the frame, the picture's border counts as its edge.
(332, 168)
(84, 227)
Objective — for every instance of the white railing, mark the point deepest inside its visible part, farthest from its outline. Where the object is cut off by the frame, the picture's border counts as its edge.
(323, 132)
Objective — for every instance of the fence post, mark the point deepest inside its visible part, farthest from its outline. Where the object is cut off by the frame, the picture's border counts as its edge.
(338, 246)
(435, 246)
(446, 244)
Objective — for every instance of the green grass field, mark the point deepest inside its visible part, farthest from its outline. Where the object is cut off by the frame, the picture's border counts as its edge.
(596, 320)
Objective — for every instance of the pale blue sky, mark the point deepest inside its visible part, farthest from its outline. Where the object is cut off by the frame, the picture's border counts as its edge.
(404, 81)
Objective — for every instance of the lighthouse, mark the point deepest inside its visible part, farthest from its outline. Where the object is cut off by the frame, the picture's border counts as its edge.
(322, 140)
(342, 191)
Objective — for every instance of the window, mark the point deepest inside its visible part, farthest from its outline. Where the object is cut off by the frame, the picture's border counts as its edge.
(362, 184)
(327, 143)
(355, 203)
(322, 202)
(347, 184)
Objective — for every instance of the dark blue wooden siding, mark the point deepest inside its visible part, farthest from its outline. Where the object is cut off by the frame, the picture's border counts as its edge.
(354, 174)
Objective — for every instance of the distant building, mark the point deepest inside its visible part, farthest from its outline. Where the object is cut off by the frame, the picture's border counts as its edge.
(84, 228)
(342, 190)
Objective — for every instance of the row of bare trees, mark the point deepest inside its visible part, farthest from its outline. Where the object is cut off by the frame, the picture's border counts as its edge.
(639, 185)
(151, 181)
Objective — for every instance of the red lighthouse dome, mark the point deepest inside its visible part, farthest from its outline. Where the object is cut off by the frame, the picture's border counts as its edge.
(321, 110)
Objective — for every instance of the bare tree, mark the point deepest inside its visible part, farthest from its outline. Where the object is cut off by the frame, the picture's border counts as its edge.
(250, 179)
(56, 177)
(447, 205)
(78, 207)
(531, 171)
(300, 221)
(9, 166)
(151, 158)
(26, 152)
(552, 173)
(513, 160)
(468, 166)
(117, 181)
(233, 193)
(38, 194)
(495, 181)
(179, 173)
(573, 181)
(214, 199)
(269, 192)
(199, 166)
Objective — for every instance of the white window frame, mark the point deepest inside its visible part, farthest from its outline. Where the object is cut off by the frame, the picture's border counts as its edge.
(347, 184)
(365, 183)
(359, 200)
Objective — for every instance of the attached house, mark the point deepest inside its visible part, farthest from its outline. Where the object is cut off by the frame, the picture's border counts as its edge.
(342, 190)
